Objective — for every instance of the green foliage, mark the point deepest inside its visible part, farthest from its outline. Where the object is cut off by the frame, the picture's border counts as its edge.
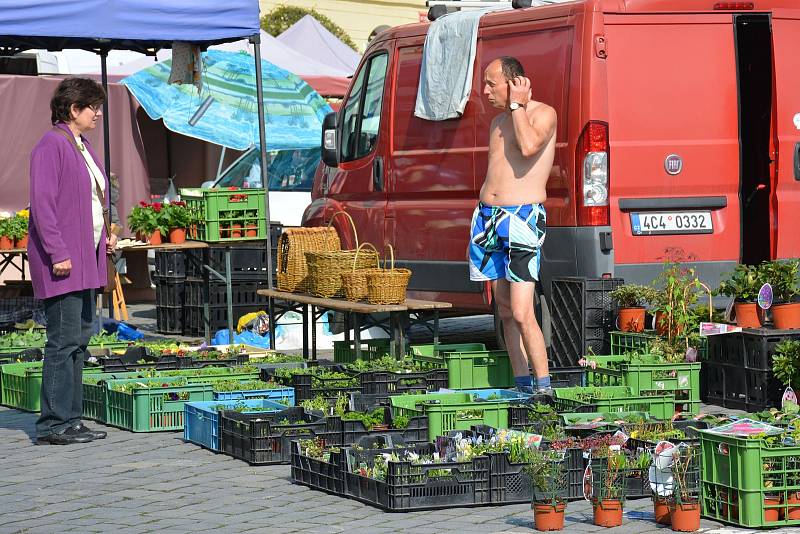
(144, 218)
(386, 363)
(176, 215)
(15, 227)
(632, 295)
(783, 277)
(281, 17)
(742, 284)
(103, 338)
(786, 363)
(28, 339)
(677, 293)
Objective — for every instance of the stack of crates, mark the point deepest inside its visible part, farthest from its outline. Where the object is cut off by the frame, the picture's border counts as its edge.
(170, 278)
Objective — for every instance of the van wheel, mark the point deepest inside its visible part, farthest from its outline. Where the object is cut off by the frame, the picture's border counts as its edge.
(542, 314)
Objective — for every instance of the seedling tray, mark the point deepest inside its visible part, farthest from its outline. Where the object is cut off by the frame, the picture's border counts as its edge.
(201, 419)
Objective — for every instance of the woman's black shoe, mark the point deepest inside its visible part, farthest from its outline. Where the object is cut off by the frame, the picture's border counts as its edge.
(65, 437)
(96, 434)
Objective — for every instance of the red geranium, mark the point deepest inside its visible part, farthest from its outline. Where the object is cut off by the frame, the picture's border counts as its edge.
(157, 206)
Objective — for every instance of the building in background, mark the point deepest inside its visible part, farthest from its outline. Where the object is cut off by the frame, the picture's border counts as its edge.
(359, 17)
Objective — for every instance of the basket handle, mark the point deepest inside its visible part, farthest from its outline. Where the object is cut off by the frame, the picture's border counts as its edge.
(391, 255)
(365, 244)
(349, 218)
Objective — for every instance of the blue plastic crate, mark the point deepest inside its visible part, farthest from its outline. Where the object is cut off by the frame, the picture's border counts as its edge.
(276, 394)
(201, 419)
(500, 394)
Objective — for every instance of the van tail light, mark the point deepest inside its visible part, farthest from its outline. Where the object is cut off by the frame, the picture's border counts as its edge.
(591, 170)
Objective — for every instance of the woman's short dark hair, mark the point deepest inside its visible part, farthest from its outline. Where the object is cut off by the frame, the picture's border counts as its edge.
(82, 92)
(511, 67)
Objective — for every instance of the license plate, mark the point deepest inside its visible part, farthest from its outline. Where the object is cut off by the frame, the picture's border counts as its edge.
(671, 222)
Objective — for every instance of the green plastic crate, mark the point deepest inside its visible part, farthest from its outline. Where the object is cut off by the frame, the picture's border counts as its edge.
(647, 374)
(450, 411)
(474, 369)
(152, 409)
(613, 399)
(21, 385)
(218, 209)
(435, 353)
(625, 342)
(748, 483)
(371, 349)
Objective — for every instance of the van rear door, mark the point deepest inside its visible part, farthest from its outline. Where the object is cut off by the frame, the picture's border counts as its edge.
(786, 63)
(674, 147)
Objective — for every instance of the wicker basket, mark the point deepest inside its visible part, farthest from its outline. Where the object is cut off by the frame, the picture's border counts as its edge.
(387, 286)
(354, 281)
(325, 268)
(292, 246)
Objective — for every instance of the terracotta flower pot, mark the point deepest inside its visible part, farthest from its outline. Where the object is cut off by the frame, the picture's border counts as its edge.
(685, 517)
(631, 319)
(252, 231)
(772, 514)
(793, 512)
(748, 315)
(155, 238)
(177, 235)
(786, 316)
(22, 242)
(661, 510)
(6, 243)
(661, 325)
(734, 508)
(193, 231)
(608, 513)
(549, 517)
(236, 230)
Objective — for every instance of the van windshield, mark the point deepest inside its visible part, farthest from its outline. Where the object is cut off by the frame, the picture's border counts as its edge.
(288, 170)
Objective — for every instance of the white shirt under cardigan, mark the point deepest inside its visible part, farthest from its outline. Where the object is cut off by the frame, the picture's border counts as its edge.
(97, 178)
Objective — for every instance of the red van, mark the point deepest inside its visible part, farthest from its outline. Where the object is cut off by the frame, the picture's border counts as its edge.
(678, 138)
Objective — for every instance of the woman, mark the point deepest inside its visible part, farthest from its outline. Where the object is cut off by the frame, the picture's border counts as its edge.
(67, 253)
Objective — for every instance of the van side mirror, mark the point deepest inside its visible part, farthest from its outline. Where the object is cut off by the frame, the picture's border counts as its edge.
(330, 150)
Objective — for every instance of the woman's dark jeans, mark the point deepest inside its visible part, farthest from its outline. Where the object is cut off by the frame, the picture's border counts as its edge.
(69, 328)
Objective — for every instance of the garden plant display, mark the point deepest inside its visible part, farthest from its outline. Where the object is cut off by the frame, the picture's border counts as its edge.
(784, 277)
(743, 285)
(631, 299)
(176, 219)
(547, 474)
(148, 222)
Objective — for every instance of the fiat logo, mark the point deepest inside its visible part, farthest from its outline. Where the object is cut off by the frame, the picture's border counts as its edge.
(673, 164)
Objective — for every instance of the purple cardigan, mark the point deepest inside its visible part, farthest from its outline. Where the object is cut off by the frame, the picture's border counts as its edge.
(60, 225)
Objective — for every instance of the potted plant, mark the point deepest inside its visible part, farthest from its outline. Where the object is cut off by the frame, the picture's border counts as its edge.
(251, 224)
(685, 507)
(20, 229)
(548, 477)
(743, 285)
(677, 292)
(783, 277)
(143, 220)
(177, 218)
(610, 491)
(6, 241)
(631, 299)
(786, 363)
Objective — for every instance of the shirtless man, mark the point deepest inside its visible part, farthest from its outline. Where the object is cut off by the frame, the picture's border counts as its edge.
(509, 224)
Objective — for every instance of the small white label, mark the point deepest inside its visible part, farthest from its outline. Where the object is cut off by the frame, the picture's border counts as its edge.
(796, 120)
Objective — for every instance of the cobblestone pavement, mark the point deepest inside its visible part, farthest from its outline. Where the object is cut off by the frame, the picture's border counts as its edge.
(156, 482)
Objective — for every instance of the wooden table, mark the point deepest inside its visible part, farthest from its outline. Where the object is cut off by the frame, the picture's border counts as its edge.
(7, 259)
(355, 311)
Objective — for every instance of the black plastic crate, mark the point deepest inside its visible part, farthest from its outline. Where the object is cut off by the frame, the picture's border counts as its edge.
(689, 426)
(265, 438)
(738, 388)
(116, 363)
(353, 432)
(243, 293)
(20, 309)
(248, 261)
(750, 348)
(195, 362)
(408, 487)
(565, 377)
(308, 386)
(395, 383)
(170, 319)
(170, 264)
(170, 292)
(217, 318)
(582, 315)
(318, 474)
(636, 481)
(509, 484)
